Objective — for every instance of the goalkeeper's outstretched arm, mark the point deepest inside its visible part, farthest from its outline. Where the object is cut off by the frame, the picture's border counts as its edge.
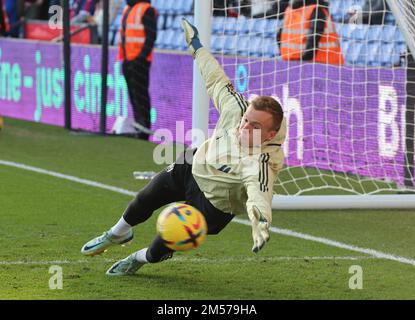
(218, 85)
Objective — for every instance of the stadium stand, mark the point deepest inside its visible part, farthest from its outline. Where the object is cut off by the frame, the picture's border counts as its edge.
(362, 45)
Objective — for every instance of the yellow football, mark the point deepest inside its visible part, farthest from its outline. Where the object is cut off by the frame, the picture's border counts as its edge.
(182, 227)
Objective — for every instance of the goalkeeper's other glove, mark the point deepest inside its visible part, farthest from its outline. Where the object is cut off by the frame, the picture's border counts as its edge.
(260, 230)
(192, 36)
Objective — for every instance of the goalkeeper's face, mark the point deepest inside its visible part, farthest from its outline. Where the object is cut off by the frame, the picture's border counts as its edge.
(257, 126)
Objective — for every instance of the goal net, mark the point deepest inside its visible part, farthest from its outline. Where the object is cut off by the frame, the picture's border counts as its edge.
(345, 77)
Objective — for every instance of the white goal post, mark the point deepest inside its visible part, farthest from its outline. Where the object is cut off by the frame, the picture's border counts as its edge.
(355, 149)
(404, 10)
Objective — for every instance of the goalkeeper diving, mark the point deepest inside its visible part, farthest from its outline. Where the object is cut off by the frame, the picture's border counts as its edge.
(231, 173)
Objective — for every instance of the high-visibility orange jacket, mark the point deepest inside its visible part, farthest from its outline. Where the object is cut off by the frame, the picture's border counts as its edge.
(132, 32)
(294, 37)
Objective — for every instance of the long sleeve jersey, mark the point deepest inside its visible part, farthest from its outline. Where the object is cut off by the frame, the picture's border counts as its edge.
(234, 178)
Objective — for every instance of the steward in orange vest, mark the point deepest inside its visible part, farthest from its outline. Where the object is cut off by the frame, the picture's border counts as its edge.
(138, 34)
(4, 22)
(138, 31)
(306, 23)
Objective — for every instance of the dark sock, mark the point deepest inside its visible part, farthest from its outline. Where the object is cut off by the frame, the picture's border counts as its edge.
(158, 251)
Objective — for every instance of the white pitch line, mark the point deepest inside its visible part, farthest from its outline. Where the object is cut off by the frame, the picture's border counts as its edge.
(286, 232)
(57, 262)
(68, 177)
(333, 243)
(193, 260)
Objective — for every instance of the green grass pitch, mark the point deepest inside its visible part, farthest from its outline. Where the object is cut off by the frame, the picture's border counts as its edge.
(45, 220)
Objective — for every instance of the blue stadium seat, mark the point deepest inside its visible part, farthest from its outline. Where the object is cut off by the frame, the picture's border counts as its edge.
(272, 28)
(374, 54)
(339, 29)
(159, 5)
(390, 19)
(337, 17)
(164, 6)
(344, 6)
(271, 48)
(399, 36)
(240, 25)
(217, 42)
(389, 33)
(246, 25)
(217, 25)
(345, 46)
(401, 48)
(178, 43)
(260, 26)
(256, 46)
(213, 41)
(353, 52)
(359, 32)
(169, 38)
(178, 7)
(117, 38)
(360, 3)
(187, 7)
(336, 12)
(231, 43)
(363, 55)
(229, 26)
(117, 22)
(190, 18)
(390, 56)
(168, 23)
(160, 22)
(176, 25)
(160, 39)
(344, 31)
(334, 8)
(375, 33)
(243, 45)
(170, 6)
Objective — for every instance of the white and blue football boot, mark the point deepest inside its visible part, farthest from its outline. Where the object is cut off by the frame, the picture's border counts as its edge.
(125, 267)
(100, 244)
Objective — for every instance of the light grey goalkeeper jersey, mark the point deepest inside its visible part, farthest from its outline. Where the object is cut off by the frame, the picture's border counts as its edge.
(233, 178)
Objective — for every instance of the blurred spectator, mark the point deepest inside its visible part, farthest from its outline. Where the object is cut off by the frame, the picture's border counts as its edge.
(229, 8)
(263, 8)
(138, 34)
(279, 8)
(33, 9)
(268, 8)
(372, 12)
(4, 22)
(14, 18)
(114, 8)
(309, 33)
(82, 11)
(259, 8)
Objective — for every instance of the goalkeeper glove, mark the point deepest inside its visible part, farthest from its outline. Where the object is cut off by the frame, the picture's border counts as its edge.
(192, 36)
(260, 230)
